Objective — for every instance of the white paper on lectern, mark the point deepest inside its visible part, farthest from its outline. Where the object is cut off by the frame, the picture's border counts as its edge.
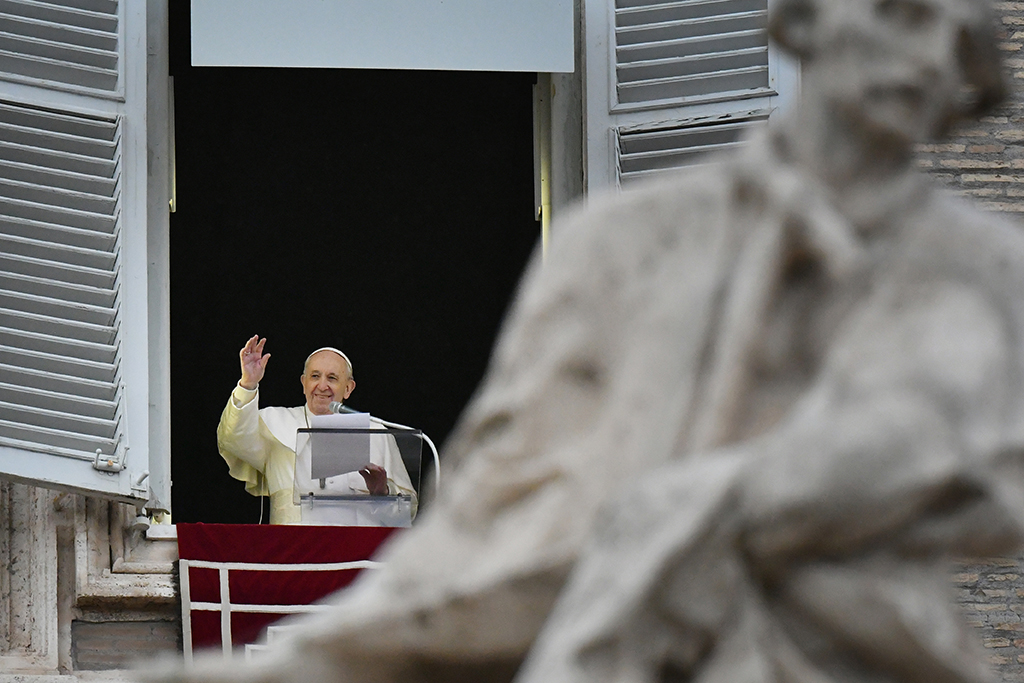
(340, 421)
(342, 460)
(344, 452)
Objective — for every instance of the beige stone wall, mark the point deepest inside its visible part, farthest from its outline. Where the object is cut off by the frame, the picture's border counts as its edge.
(80, 588)
(101, 643)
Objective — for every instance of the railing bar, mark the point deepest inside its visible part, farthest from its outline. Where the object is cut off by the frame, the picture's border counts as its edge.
(259, 609)
(225, 613)
(263, 567)
(226, 608)
(186, 610)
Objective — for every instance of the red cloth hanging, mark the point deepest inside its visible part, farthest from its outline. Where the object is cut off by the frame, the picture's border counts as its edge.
(265, 543)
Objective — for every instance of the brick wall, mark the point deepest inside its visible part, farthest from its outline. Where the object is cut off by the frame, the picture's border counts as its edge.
(992, 594)
(984, 161)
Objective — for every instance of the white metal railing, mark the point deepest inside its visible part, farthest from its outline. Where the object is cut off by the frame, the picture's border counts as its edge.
(226, 607)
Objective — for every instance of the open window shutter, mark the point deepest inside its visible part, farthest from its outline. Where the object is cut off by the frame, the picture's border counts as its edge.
(66, 193)
(671, 81)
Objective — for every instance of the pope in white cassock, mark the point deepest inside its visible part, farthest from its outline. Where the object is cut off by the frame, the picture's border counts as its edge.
(258, 444)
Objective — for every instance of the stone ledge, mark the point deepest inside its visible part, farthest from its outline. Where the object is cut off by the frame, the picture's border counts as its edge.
(118, 676)
(127, 590)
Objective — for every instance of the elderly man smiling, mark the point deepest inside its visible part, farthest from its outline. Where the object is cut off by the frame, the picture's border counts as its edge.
(258, 444)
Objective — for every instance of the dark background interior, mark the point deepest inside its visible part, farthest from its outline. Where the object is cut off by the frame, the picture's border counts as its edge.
(388, 213)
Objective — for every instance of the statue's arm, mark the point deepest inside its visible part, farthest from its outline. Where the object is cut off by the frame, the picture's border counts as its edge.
(900, 435)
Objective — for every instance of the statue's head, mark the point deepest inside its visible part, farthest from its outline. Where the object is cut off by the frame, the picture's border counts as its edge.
(904, 68)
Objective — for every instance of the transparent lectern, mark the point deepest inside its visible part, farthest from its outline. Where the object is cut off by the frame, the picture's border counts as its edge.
(327, 460)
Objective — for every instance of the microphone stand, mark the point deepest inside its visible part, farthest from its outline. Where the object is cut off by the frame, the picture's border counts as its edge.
(338, 407)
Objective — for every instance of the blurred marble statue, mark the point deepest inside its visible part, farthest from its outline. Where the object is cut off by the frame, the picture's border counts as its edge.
(739, 420)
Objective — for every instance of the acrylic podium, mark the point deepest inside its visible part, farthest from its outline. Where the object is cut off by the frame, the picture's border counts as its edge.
(327, 460)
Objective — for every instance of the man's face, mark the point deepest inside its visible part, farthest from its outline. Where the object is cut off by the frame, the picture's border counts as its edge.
(325, 379)
(894, 68)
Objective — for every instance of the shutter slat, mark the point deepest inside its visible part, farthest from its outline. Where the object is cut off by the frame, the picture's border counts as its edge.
(47, 68)
(676, 158)
(59, 141)
(72, 46)
(50, 440)
(46, 121)
(690, 28)
(670, 53)
(60, 234)
(100, 353)
(62, 14)
(58, 33)
(58, 178)
(77, 423)
(60, 215)
(101, 169)
(643, 153)
(105, 6)
(58, 197)
(60, 52)
(718, 83)
(692, 64)
(59, 327)
(54, 401)
(686, 47)
(57, 308)
(92, 267)
(45, 381)
(58, 272)
(639, 12)
(59, 290)
(60, 365)
(687, 135)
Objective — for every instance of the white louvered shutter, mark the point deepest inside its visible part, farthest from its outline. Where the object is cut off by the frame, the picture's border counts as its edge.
(72, 235)
(669, 82)
(71, 44)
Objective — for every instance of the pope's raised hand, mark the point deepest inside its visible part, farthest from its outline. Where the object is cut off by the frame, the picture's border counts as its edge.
(253, 362)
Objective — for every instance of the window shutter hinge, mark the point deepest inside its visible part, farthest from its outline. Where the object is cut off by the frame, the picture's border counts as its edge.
(108, 463)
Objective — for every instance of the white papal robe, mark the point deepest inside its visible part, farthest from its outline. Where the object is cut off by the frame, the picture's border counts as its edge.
(258, 445)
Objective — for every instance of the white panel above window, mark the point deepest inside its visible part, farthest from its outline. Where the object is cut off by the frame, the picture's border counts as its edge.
(470, 35)
(71, 45)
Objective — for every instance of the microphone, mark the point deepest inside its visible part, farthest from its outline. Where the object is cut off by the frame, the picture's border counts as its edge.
(339, 407)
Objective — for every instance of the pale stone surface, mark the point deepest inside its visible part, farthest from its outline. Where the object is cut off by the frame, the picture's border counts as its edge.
(28, 580)
(64, 558)
(738, 422)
